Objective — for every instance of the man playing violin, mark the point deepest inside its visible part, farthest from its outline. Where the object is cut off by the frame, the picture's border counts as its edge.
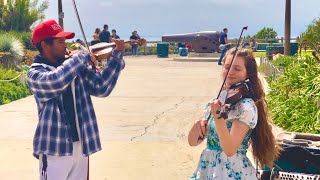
(67, 131)
(229, 137)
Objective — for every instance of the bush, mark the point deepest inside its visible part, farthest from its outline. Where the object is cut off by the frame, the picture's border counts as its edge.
(12, 51)
(311, 36)
(13, 90)
(25, 38)
(30, 56)
(294, 96)
(284, 61)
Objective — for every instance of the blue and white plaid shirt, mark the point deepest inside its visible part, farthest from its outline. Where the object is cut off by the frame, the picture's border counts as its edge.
(47, 83)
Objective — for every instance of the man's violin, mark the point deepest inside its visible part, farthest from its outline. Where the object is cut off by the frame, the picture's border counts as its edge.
(101, 50)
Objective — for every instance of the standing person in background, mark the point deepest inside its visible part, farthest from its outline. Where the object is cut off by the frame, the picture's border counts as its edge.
(223, 39)
(105, 34)
(96, 34)
(67, 131)
(136, 34)
(95, 37)
(134, 40)
(114, 34)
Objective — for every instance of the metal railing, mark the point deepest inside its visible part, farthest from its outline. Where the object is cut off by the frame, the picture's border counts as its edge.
(268, 68)
(20, 76)
(153, 44)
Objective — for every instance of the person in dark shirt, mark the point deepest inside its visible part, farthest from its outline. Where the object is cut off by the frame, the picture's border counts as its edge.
(253, 44)
(105, 34)
(114, 34)
(134, 39)
(223, 39)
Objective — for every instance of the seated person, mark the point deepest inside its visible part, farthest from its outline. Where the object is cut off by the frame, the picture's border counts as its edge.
(253, 44)
(114, 34)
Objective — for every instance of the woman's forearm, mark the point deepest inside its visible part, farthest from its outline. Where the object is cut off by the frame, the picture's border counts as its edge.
(225, 138)
(193, 136)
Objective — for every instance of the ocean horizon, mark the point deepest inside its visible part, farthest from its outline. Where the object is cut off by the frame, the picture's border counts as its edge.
(148, 37)
(90, 38)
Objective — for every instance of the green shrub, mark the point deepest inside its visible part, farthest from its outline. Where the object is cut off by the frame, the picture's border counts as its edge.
(25, 38)
(311, 36)
(13, 90)
(294, 96)
(284, 61)
(9, 74)
(12, 51)
(9, 91)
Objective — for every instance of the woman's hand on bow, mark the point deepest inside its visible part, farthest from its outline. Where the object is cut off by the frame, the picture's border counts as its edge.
(216, 109)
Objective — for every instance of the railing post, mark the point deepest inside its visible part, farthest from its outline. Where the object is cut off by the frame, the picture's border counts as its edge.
(21, 78)
(145, 48)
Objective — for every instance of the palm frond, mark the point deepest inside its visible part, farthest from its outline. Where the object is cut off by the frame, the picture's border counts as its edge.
(11, 51)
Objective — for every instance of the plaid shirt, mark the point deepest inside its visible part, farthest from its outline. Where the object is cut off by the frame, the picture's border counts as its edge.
(47, 83)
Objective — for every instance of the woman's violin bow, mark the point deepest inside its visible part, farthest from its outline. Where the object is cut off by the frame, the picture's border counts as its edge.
(224, 96)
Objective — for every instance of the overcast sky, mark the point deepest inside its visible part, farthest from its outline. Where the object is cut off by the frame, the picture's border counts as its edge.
(159, 17)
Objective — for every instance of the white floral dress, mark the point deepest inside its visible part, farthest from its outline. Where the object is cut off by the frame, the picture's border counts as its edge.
(214, 163)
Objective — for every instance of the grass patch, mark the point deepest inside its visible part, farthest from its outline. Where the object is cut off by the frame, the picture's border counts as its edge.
(259, 54)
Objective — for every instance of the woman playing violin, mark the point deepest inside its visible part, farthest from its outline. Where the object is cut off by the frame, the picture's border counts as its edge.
(247, 124)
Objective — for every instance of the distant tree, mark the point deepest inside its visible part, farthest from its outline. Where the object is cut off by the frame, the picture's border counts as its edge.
(266, 33)
(2, 13)
(312, 38)
(19, 15)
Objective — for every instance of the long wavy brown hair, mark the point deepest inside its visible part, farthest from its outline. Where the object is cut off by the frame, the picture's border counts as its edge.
(264, 146)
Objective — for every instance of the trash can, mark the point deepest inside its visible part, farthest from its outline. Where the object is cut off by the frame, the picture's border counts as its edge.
(183, 51)
(294, 48)
(162, 50)
(276, 44)
(273, 50)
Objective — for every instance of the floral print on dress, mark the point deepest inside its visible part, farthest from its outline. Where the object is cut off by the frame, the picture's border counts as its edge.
(214, 164)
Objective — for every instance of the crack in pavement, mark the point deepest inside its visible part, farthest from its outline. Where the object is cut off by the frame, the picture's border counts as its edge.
(158, 117)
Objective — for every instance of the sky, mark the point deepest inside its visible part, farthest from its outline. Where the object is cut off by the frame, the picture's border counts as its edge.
(154, 18)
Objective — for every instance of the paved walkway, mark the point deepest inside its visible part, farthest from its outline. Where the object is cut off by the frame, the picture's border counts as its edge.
(143, 124)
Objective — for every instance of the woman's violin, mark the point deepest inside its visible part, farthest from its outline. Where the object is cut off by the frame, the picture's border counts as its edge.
(233, 95)
(237, 91)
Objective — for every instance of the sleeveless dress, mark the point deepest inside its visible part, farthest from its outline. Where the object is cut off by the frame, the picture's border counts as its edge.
(214, 163)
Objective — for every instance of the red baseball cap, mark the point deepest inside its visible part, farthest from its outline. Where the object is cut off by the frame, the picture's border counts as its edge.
(49, 29)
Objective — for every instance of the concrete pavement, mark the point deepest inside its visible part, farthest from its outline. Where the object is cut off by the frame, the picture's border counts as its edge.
(143, 124)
